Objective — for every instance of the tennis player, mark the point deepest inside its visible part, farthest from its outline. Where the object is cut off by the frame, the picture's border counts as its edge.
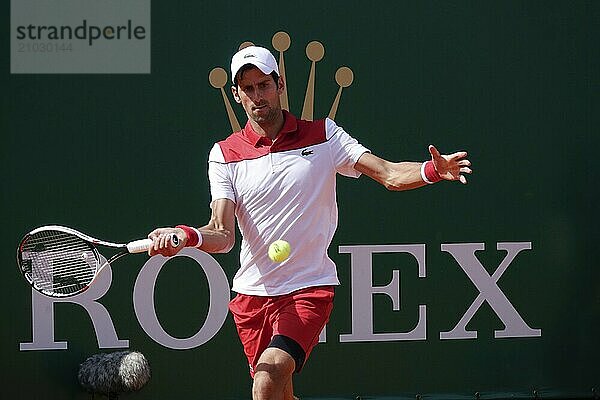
(277, 178)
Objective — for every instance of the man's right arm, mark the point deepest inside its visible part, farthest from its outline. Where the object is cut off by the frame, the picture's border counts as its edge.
(218, 236)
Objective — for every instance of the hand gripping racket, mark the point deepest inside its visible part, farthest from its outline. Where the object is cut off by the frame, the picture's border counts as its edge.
(60, 262)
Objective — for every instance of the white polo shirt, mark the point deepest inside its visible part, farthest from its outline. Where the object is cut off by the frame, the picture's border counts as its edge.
(284, 189)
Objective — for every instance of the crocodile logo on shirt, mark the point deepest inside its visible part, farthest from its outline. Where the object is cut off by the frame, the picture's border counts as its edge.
(306, 152)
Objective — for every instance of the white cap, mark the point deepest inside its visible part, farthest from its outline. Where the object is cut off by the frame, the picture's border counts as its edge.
(257, 56)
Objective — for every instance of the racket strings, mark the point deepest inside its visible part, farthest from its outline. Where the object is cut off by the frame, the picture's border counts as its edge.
(58, 262)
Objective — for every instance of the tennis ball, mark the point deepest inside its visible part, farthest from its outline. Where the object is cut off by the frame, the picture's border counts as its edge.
(279, 250)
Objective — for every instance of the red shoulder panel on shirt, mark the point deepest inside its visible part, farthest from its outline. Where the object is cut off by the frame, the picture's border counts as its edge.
(307, 134)
(237, 148)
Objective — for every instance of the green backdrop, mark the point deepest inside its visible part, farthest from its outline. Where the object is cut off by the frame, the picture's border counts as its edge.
(516, 83)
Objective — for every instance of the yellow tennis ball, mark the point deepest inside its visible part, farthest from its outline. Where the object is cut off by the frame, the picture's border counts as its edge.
(279, 250)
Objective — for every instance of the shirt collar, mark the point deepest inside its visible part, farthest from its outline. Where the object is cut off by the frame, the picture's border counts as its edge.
(290, 124)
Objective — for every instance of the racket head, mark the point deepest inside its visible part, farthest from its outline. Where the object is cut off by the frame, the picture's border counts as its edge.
(57, 262)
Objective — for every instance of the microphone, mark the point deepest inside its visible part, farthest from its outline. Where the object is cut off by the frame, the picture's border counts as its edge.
(113, 373)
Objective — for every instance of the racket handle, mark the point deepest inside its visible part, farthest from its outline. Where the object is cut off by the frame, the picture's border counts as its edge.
(139, 246)
(142, 245)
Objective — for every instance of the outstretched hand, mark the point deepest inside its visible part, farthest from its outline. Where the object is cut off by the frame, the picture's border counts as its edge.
(451, 167)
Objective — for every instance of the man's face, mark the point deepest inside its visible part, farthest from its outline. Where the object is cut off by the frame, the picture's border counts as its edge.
(259, 94)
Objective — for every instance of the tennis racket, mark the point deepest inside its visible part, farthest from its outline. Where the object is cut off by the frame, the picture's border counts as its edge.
(60, 262)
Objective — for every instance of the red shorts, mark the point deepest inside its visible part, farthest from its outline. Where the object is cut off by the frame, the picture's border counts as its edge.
(300, 315)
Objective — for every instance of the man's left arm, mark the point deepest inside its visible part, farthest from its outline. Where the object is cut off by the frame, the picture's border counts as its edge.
(408, 175)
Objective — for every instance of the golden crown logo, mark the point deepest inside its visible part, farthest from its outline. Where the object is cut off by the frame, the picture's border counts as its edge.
(281, 42)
